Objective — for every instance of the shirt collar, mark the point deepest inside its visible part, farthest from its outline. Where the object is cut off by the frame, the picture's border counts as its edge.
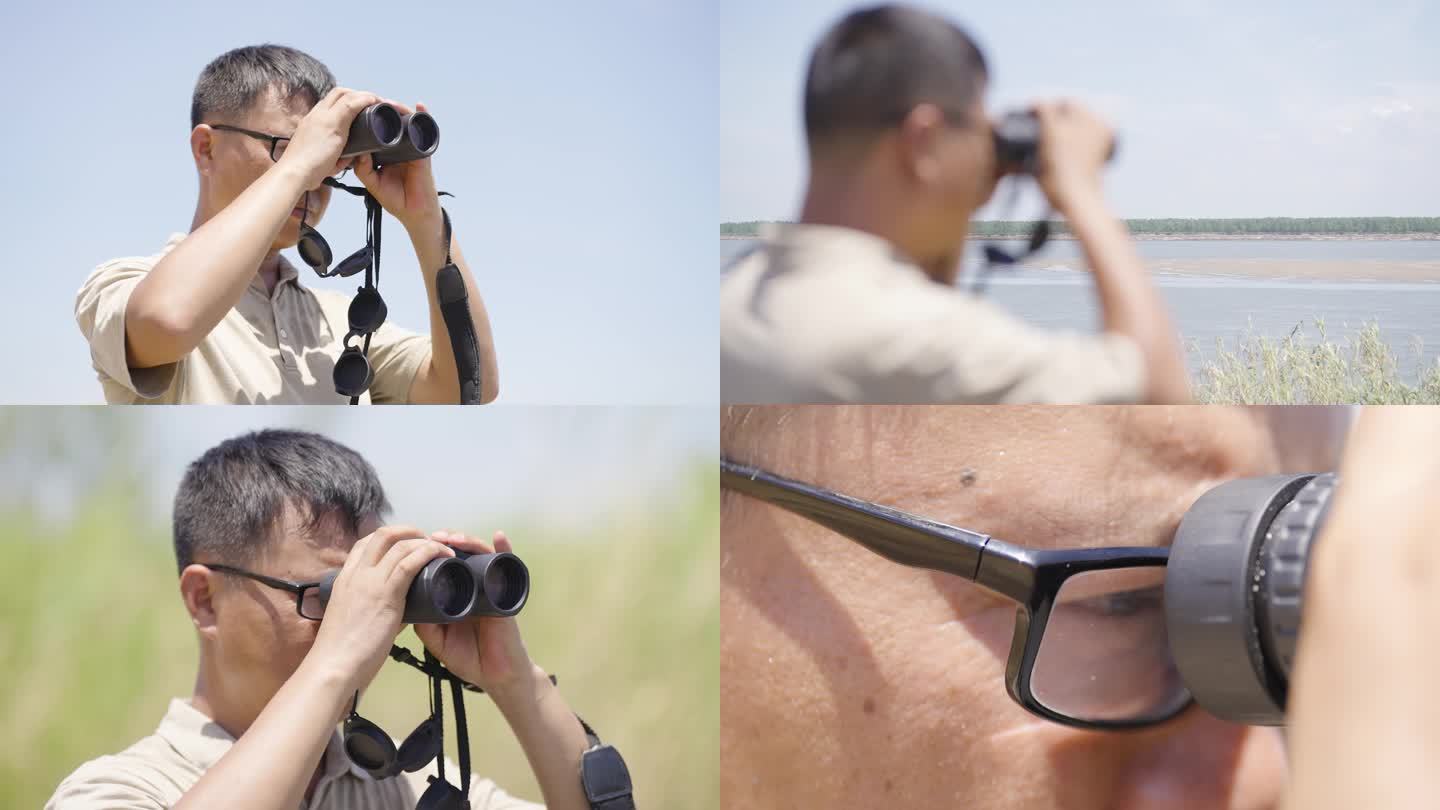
(803, 243)
(202, 741)
(288, 273)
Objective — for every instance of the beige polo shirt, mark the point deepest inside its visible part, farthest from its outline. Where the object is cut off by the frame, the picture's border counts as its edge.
(270, 348)
(817, 313)
(156, 771)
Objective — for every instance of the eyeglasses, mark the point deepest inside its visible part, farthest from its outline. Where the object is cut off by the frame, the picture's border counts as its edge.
(277, 142)
(307, 594)
(1089, 647)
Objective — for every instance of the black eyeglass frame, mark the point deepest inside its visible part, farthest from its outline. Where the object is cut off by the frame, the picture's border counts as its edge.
(273, 139)
(1031, 577)
(297, 588)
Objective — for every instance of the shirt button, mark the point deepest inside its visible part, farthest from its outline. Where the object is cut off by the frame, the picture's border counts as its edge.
(282, 334)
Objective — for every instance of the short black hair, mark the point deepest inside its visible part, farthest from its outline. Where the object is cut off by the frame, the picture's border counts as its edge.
(877, 63)
(235, 80)
(232, 498)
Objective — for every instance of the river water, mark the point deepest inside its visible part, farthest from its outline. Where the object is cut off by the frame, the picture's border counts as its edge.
(1212, 310)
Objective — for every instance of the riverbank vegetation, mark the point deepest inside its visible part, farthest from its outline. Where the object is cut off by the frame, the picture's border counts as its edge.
(1295, 370)
(1253, 227)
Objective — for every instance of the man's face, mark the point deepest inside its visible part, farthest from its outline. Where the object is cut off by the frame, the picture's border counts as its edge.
(849, 680)
(950, 169)
(261, 638)
(239, 160)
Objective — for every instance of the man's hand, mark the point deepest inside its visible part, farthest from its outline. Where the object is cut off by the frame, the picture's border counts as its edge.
(486, 651)
(1363, 713)
(1074, 146)
(315, 148)
(368, 601)
(406, 190)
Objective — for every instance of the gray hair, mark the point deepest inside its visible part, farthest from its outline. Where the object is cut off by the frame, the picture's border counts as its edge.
(235, 80)
(232, 498)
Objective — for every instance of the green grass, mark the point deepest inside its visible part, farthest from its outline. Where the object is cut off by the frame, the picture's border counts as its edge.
(94, 641)
(1295, 370)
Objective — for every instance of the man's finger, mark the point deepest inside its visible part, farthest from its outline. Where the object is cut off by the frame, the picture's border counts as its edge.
(474, 545)
(384, 538)
(408, 557)
(331, 97)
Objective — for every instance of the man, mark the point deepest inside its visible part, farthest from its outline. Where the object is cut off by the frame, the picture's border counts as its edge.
(857, 303)
(848, 680)
(218, 315)
(259, 730)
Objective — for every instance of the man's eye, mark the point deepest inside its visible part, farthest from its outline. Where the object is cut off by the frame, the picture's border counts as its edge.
(1123, 604)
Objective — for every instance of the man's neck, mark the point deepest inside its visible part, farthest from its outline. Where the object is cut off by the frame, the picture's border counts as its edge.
(235, 722)
(269, 270)
(852, 199)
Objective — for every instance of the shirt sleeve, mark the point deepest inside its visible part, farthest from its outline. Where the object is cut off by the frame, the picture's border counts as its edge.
(100, 312)
(951, 347)
(98, 786)
(396, 356)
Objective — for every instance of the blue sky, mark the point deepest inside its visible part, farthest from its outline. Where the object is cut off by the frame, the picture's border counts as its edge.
(579, 140)
(1224, 107)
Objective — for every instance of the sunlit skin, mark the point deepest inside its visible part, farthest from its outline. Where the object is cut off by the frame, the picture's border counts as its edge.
(252, 639)
(848, 680)
(917, 185)
(236, 160)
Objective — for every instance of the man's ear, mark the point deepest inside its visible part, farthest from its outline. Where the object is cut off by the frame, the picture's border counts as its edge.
(202, 146)
(920, 136)
(197, 589)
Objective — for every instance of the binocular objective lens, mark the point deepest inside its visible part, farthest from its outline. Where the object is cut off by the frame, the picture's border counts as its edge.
(504, 582)
(452, 589)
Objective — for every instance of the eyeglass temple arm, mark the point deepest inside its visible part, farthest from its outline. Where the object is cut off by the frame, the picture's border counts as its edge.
(895, 535)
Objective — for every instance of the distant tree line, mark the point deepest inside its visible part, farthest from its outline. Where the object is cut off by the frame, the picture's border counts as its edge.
(1167, 227)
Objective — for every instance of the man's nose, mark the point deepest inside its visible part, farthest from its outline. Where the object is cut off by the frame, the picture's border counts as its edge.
(1199, 761)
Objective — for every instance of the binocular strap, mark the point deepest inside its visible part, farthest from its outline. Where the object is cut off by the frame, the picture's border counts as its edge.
(455, 309)
(603, 773)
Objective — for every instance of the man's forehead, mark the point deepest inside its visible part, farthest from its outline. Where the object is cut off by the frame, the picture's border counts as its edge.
(1048, 478)
(279, 112)
(300, 544)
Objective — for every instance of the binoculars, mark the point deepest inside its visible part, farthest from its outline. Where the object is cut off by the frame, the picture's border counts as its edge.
(381, 131)
(452, 589)
(1233, 591)
(1017, 142)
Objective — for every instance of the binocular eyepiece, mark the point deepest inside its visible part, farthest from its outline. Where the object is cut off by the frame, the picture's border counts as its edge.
(381, 131)
(1017, 142)
(452, 589)
(1233, 591)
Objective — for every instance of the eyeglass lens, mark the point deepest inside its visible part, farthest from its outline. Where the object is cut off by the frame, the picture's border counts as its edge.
(1105, 653)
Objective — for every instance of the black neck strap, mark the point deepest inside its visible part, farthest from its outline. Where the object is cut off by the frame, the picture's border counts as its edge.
(452, 296)
(600, 763)
(997, 256)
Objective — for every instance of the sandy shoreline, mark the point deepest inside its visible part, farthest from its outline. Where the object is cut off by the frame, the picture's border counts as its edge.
(1297, 269)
